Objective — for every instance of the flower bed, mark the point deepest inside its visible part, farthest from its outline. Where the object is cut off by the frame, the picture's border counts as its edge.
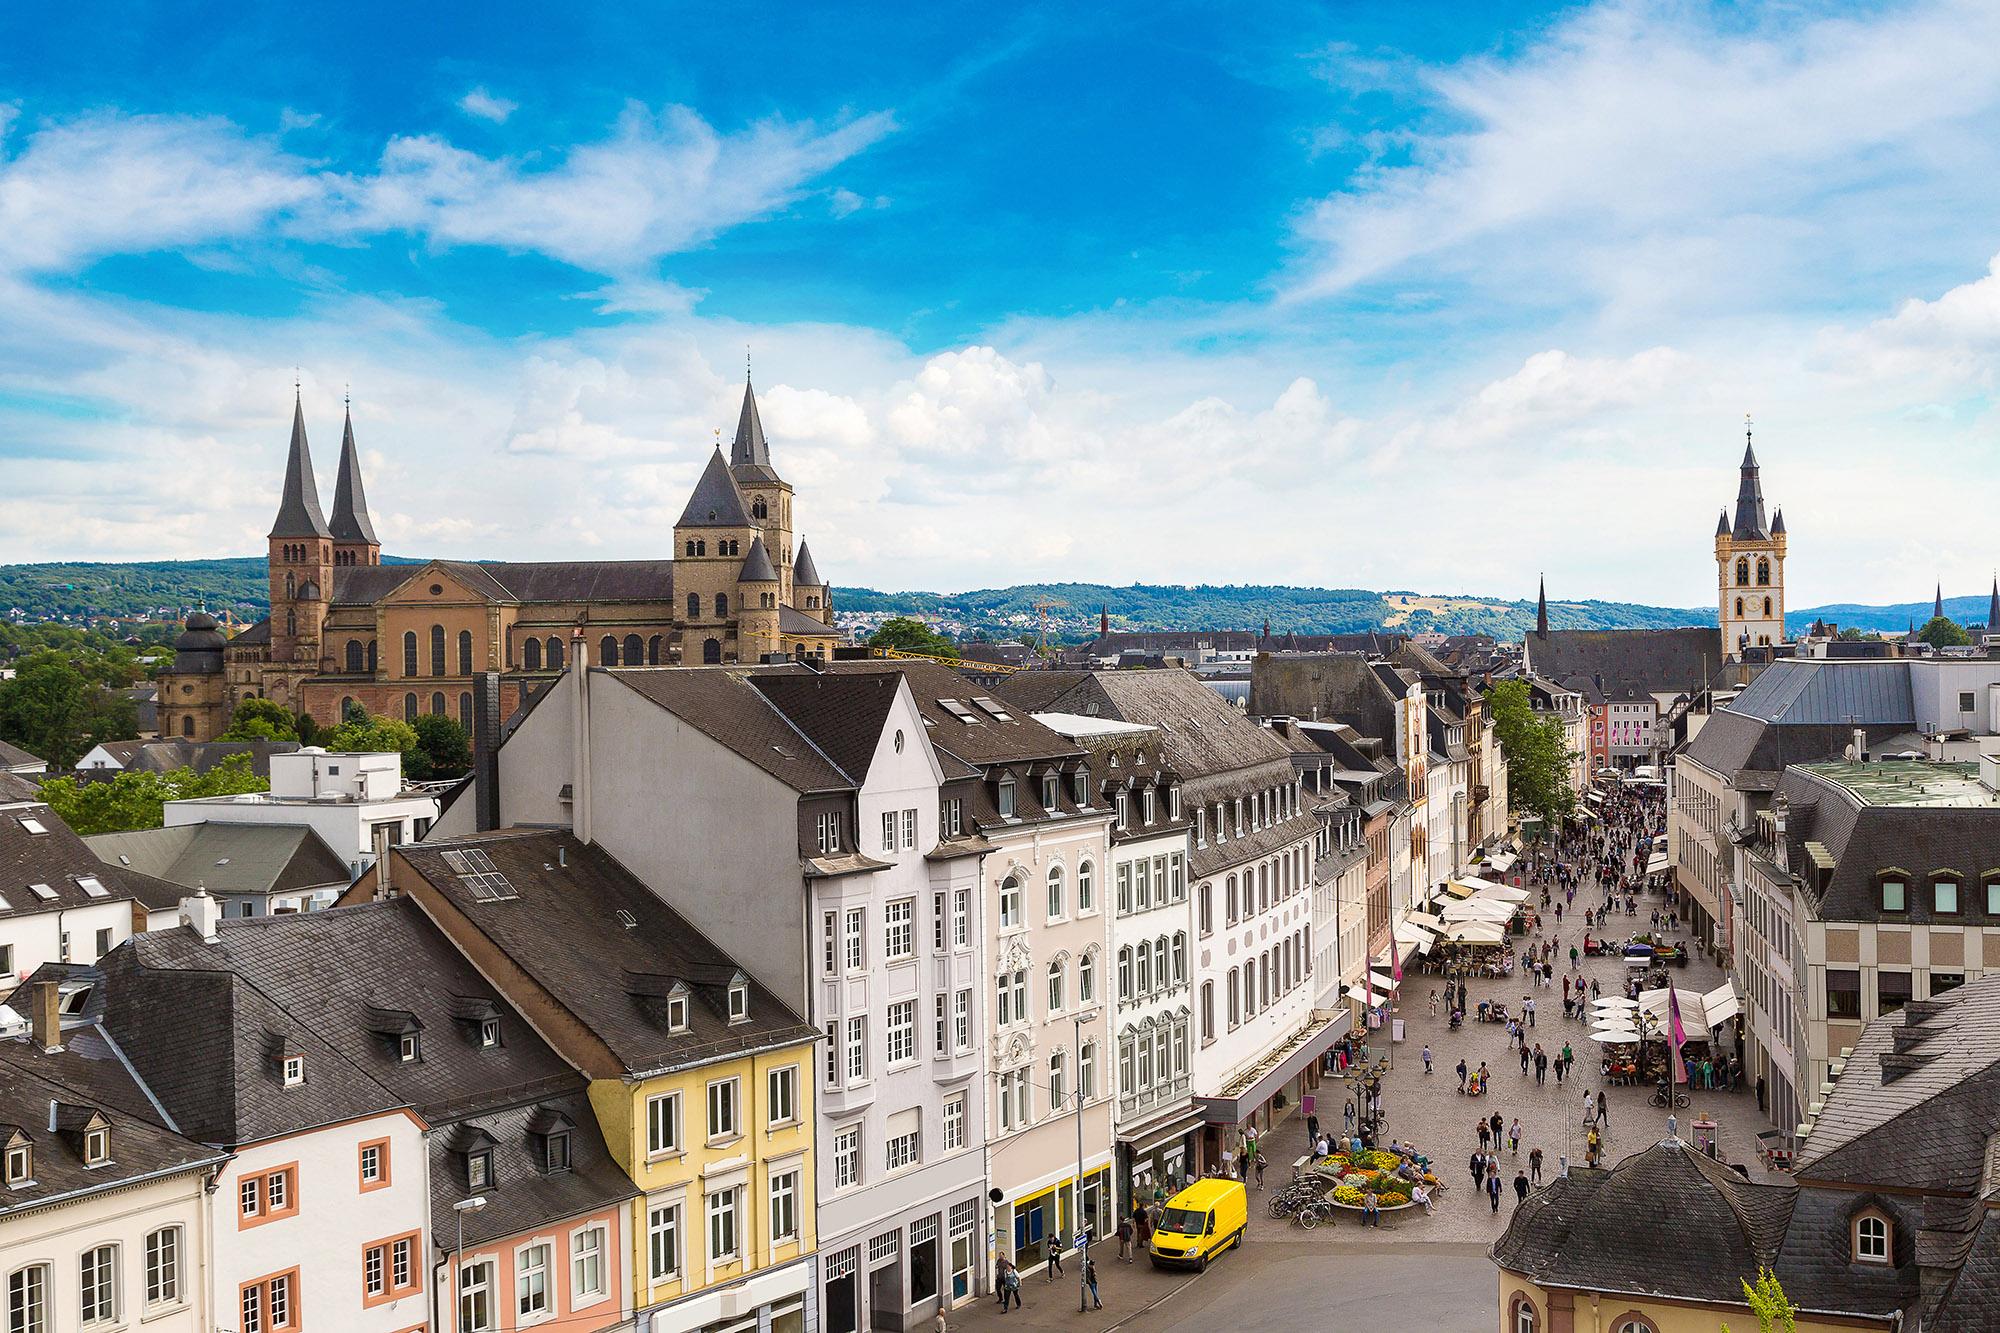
(1357, 1173)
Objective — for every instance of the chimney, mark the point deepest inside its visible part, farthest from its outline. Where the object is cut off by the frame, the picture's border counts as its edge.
(384, 888)
(579, 657)
(486, 750)
(203, 913)
(46, 1015)
(1860, 745)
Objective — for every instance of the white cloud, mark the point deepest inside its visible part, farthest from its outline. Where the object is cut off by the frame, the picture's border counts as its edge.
(483, 105)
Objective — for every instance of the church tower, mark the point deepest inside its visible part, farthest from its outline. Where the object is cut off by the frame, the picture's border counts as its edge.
(353, 531)
(300, 562)
(1750, 566)
(766, 496)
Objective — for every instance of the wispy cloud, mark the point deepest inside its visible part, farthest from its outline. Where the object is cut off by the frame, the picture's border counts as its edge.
(482, 105)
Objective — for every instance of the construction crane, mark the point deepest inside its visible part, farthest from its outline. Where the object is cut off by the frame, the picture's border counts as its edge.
(956, 663)
(1043, 606)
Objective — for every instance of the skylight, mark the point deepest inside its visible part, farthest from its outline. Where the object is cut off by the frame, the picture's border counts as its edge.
(33, 825)
(993, 706)
(958, 710)
(43, 891)
(92, 886)
(481, 877)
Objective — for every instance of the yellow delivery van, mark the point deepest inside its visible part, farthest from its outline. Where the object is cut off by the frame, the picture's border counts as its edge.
(1199, 1223)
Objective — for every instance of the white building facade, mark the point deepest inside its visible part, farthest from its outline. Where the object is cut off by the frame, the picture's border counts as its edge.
(357, 802)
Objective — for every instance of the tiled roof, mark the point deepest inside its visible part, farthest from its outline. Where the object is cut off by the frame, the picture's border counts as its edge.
(843, 715)
(519, 581)
(720, 703)
(169, 753)
(227, 858)
(1866, 839)
(975, 735)
(13, 756)
(523, 1197)
(1201, 732)
(1630, 664)
(715, 501)
(803, 623)
(60, 863)
(562, 928)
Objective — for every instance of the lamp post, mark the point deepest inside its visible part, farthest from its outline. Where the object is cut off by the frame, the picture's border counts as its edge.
(459, 1210)
(1077, 1227)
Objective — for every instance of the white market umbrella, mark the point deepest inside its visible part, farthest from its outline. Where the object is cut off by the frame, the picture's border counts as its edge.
(1615, 1036)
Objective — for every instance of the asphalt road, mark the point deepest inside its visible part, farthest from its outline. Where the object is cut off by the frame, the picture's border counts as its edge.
(1289, 1288)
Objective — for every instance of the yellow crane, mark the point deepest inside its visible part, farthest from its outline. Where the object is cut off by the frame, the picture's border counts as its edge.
(1043, 606)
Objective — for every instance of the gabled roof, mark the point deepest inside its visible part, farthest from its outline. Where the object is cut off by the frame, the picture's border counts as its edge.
(228, 858)
(562, 927)
(52, 871)
(715, 503)
(721, 703)
(1630, 664)
(13, 756)
(299, 513)
(350, 521)
(806, 574)
(1200, 731)
(518, 581)
(171, 752)
(844, 716)
(971, 731)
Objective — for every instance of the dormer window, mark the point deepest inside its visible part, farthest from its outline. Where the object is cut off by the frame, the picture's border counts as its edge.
(489, 1033)
(555, 1152)
(1006, 798)
(1173, 802)
(1871, 1238)
(1080, 786)
(1146, 806)
(1944, 895)
(20, 1160)
(1051, 792)
(1895, 893)
(408, 1047)
(479, 1169)
(294, 1070)
(677, 1008)
(97, 1145)
(739, 1000)
(1124, 805)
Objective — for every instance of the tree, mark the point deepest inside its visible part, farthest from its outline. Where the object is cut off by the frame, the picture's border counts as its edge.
(912, 636)
(1852, 635)
(374, 735)
(134, 799)
(1944, 632)
(55, 709)
(261, 720)
(1767, 1300)
(443, 750)
(1538, 760)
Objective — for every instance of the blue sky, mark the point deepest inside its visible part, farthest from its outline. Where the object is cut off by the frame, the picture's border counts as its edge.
(1378, 295)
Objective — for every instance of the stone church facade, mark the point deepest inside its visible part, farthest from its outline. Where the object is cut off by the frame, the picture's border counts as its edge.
(404, 640)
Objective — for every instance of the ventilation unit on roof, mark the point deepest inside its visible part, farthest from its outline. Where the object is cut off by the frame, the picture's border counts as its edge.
(482, 879)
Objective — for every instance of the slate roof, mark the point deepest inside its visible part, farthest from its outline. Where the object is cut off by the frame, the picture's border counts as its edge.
(522, 1197)
(804, 572)
(843, 716)
(715, 502)
(14, 787)
(13, 756)
(518, 581)
(1668, 1221)
(1344, 686)
(85, 1076)
(1750, 524)
(803, 624)
(1629, 664)
(350, 522)
(562, 929)
(299, 514)
(58, 858)
(169, 753)
(721, 703)
(748, 449)
(980, 740)
(228, 858)
(757, 566)
(1201, 733)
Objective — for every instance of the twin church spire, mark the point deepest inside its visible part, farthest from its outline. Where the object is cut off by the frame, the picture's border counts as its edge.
(299, 512)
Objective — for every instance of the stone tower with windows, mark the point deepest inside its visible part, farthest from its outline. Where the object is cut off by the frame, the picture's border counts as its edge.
(354, 541)
(300, 564)
(1750, 567)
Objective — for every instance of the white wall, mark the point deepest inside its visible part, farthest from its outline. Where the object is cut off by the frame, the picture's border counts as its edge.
(35, 938)
(58, 1238)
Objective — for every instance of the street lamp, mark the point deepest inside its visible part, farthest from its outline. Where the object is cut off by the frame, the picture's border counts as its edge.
(1078, 1228)
(460, 1209)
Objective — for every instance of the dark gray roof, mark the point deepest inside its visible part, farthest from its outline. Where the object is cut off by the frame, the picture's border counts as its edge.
(757, 565)
(979, 738)
(1668, 1221)
(1630, 664)
(1803, 710)
(58, 859)
(13, 756)
(562, 929)
(228, 858)
(523, 1197)
(1340, 686)
(260, 632)
(804, 623)
(1750, 525)
(299, 513)
(85, 1078)
(169, 753)
(520, 581)
(715, 503)
(721, 703)
(15, 787)
(350, 521)
(843, 716)
(1199, 730)
(806, 574)
(748, 449)
(1864, 839)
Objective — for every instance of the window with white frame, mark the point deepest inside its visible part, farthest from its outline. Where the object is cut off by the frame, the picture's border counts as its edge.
(954, 1122)
(902, 1032)
(910, 830)
(1125, 974)
(1086, 1071)
(531, 1281)
(889, 824)
(586, 1264)
(1142, 884)
(961, 1021)
(847, 1158)
(784, 1207)
(1006, 798)
(1056, 987)
(899, 937)
(1124, 878)
(832, 1067)
(475, 1298)
(1051, 792)
(724, 1207)
(663, 1124)
(857, 1049)
(781, 1095)
(940, 918)
(1122, 804)
(1020, 989)
(951, 815)
(97, 1287)
(1010, 902)
(940, 1024)
(1056, 896)
(961, 918)
(723, 1101)
(663, 1241)
(829, 943)
(1058, 1082)
(903, 1150)
(856, 937)
(827, 828)
(1086, 888)
(163, 1266)
(1146, 806)
(1086, 978)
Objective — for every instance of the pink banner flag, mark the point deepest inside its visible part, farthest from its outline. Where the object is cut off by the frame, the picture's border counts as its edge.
(1395, 962)
(1676, 1035)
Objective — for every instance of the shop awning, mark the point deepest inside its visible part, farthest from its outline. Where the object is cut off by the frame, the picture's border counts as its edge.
(1476, 932)
(1478, 909)
(1656, 863)
(1478, 883)
(1501, 893)
(1251, 1089)
(1460, 889)
(1429, 921)
(1184, 1122)
(1502, 861)
(1409, 932)
(1384, 982)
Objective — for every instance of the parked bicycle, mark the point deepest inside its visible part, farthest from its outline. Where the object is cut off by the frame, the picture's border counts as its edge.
(1661, 1097)
(1302, 1191)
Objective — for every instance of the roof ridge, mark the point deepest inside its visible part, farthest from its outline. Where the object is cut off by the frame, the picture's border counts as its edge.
(810, 742)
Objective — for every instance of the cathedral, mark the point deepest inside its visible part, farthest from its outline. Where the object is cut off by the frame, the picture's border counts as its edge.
(404, 640)
(1750, 567)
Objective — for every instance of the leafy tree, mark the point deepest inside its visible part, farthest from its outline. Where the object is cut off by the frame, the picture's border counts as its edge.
(261, 720)
(134, 799)
(1537, 759)
(1944, 632)
(912, 636)
(443, 750)
(308, 728)
(374, 735)
(1767, 1300)
(54, 709)
(1851, 635)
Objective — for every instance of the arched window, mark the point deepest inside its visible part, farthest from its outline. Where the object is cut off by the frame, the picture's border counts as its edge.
(701, 548)
(437, 705)
(722, 604)
(1739, 608)
(1742, 570)
(607, 651)
(465, 710)
(1208, 1011)
(437, 650)
(1632, 1322)
(371, 654)
(1231, 919)
(1160, 963)
(465, 652)
(1144, 968)
(1763, 573)
(1125, 973)
(292, 623)
(1058, 1001)
(355, 656)
(1086, 978)
(1086, 887)
(291, 585)
(690, 547)
(409, 708)
(531, 655)
(187, 725)
(1522, 1317)
(758, 509)
(1180, 958)
(694, 606)
(553, 650)
(653, 651)
(1055, 892)
(711, 651)
(635, 650)
(1767, 606)
(1871, 1238)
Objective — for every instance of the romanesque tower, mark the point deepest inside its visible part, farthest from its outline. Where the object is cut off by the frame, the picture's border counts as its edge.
(300, 561)
(1750, 567)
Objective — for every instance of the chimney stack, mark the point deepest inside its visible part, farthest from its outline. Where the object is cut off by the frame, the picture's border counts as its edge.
(46, 1015)
(580, 748)
(486, 750)
(1860, 745)
(203, 913)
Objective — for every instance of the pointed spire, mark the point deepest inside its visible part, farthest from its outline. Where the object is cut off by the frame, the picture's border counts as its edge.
(716, 503)
(805, 574)
(350, 522)
(299, 513)
(1937, 607)
(757, 565)
(749, 448)
(1722, 523)
(1104, 618)
(1778, 523)
(1993, 608)
(1750, 524)
(1542, 607)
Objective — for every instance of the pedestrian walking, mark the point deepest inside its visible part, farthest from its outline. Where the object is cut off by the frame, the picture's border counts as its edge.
(1348, 1111)
(1427, 1058)
(1541, 1065)
(1478, 1169)
(1090, 1280)
(1485, 1134)
(1008, 1280)
(1535, 1166)
(1125, 1240)
(1493, 1191)
(1055, 1257)
(1529, 1004)
(1514, 1137)
(1461, 1073)
(1589, 1111)
(1603, 1110)
(1520, 1188)
(1525, 1057)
